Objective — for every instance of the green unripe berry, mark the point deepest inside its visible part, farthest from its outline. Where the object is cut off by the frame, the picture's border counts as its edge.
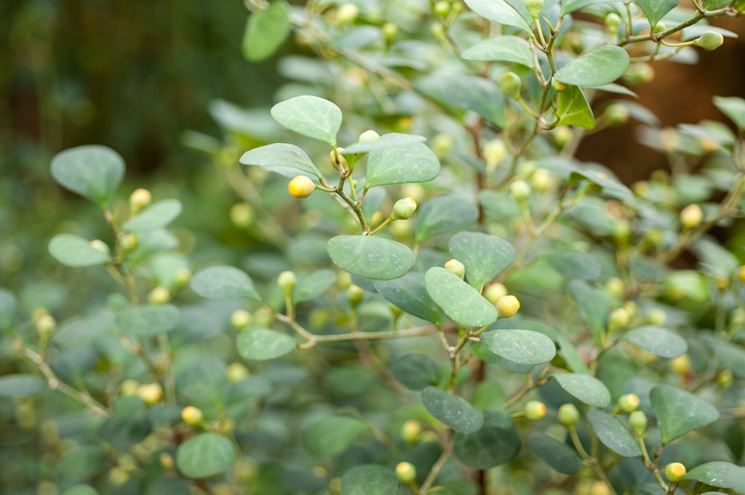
(456, 267)
(710, 40)
(159, 295)
(411, 431)
(639, 73)
(520, 190)
(724, 378)
(638, 422)
(495, 151)
(619, 318)
(495, 292)
(562, 134)
(542, 180)
(240, 319)
(438, 31)
(534, 8)
(675, 472)
(442, 8)
(183, 276)
(347, 13)
(130, 242)
(656, 316)
(368, 136)
(355, 294)
(236, 372)
(405, 472)
(535, 410)
(242, 215)
(568, 414)
(628, 403)
(615, 287)
(612, 22)
(404, 208)
(286, 281)
(390, 31)
(616, 114)
(510, 84)
(45, 325)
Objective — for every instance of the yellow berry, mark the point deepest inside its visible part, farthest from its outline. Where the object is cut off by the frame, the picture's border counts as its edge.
(681, 365)
(456, 267)
(406, 472)
(508, 306)
(139, 199)
(675, 472)
(129, 387)
(159, 295)
(236, 372)
(130, 242)
(495, 292)
(411, 431)
(192, 416)
(347, 13)
(150, 393)
(300, 187)
(691, 216)
(535, 410)
(240, 318)
(355, 294)
(495, 151)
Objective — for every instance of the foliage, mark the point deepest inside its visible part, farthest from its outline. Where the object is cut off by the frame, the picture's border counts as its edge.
(449, 304)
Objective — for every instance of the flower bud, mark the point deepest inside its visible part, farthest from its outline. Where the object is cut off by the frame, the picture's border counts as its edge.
(355, 294)
(411, 431)
(242, 215)
(638, 422)
(510, 84)
(612, 22)
(615, 287)
(691, 216)
(724, 378)
(192, 416)
(542, 180)
(535, 410)
(390, 31)
(45, 325)
(628, 403)
(710, 40)
(166, 460)
(404, 208)
(495, 292)
(520, 190)
(619, 318)
(681, 365)
(139, 199)
(534, 8)
(675, 472)
(301, 187)
(568, 415)
(442, 8)
(456, 267)
(616, 114)
(240, 319)
(286, 281)
(495, 151)
(130, 242)
(508, 306)
(150, 393)
(236, 372)
(159, 295)
(128, 387)
(368, 136)
(656, 316)
(347, 13)
(405, 472)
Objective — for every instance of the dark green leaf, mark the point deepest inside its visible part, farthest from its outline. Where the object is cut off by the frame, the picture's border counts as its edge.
(614, 434)
(556, 454)
(369, 479)
(452, 410)
(8, 309)
(679, 412)
(332, 435)
(495, 443)
(524, 348)
(443, 215)
(205, 455)
(585, 388)
(410, 294)
(415, 371)
(574, 264)
(719, 474)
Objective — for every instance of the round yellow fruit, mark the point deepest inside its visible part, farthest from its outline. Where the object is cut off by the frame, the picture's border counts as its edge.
(301, 187)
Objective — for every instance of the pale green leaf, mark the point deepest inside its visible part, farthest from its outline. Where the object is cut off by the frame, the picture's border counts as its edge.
(461, 302)
(310, 116)
(370, 257)
(266, 30)
(509, 49)
(401, 164)
(281, 158)
(92, 171)
(224, 282)
(595, 68)
(77, 252)
(719, 474)
(657, 340)
(262, 344)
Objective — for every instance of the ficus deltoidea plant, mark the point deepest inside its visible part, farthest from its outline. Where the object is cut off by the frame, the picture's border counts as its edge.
(438, 298)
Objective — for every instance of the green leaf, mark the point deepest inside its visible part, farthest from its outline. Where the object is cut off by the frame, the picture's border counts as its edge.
(452, 410)
(415, 371)
(74, 251)
(733, 108)
(8, 309)
(148, 321)
(499, 11)
(593, 304)
(573, 109)
(370, 257)
(369, 479)
(613, 433)
(729, 355)
(410, 294)
(266, 30)
(524, 348)
(92, 171)
(314, 285)
(495, 443)
(461, 302)
(20, 385)
(584, 388)
(458, 92)
(80, 490)
(719, 474)
(80, 463)
(483, 255)
(401, 165)
(205, 455)
(556, 454)
(656, 9)
(569, 6)
(332, 435)
(283, 159)
(262, 344)
(574, 264)
(657, 340)
(155, 216)
(443, 215)
(679, 412)
(224, 282)
(510, 49)
(595, 68)
(310, 116)
(390, 140)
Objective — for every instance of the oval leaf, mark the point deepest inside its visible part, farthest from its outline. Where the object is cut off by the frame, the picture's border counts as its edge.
(720, 474)
(522, 347)
(261, 344)
(401, 164)
(310, 116)
(415, 371)
(443, 215)
(452, 410)
(20, 385)
(92, 171)
(369, 479)
(266, 30)
(584, 388)
(314, 285)
(332, 435)
(461, 302)
(155, 216)
(224, 282)
(595, 68)
(679, 412)
(77, 252)
(370, 257)
(657, 340)
(483, 255)
(613, 434)
(205, 455)
(556, 454)
(283, 159)
(495, 443)
(147, 321)
(410, 294)
(510, 49)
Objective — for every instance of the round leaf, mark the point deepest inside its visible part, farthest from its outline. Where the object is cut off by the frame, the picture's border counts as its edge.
(266, 30)
(205, 455)
(483, 255)
(495, 443)
(585, 388)
(224, 282)
(510, 49)
(720, 474)
(283, 159)
(369, 479)
(314, 285)
(413, 162)
(155, 216)
(261, 344)
(461, 302)
(370, 257)
(657, 340)
(595, 68)
(522, 347)
(310, 116)
(74, 251)
(92, 171)
(415, 371)
(332, 435)
(679, 412)
(452, 410)
(614, 434)
(443, 215)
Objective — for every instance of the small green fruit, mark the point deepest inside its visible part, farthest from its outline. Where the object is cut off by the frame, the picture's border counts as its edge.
(534, 8)
(615, 287)
(710, 41)
(616, 114)
(159, 295)
(390, 31)
(612, 22)
(619, 318)
(628, 403)
(442, 8)
(355, 294)
(638, 422)
(495, 292)
(405, 472)
(510, 84)
(242, 215)
(130, 242)
(456, 267)
(495, 151)
(535, 410)
(286, 281)
(404, 208)
(411, 431)
(347, 13)
(520, 190)
(656, 316)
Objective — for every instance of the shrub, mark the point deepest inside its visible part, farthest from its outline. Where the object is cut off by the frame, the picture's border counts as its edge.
(474, 312)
